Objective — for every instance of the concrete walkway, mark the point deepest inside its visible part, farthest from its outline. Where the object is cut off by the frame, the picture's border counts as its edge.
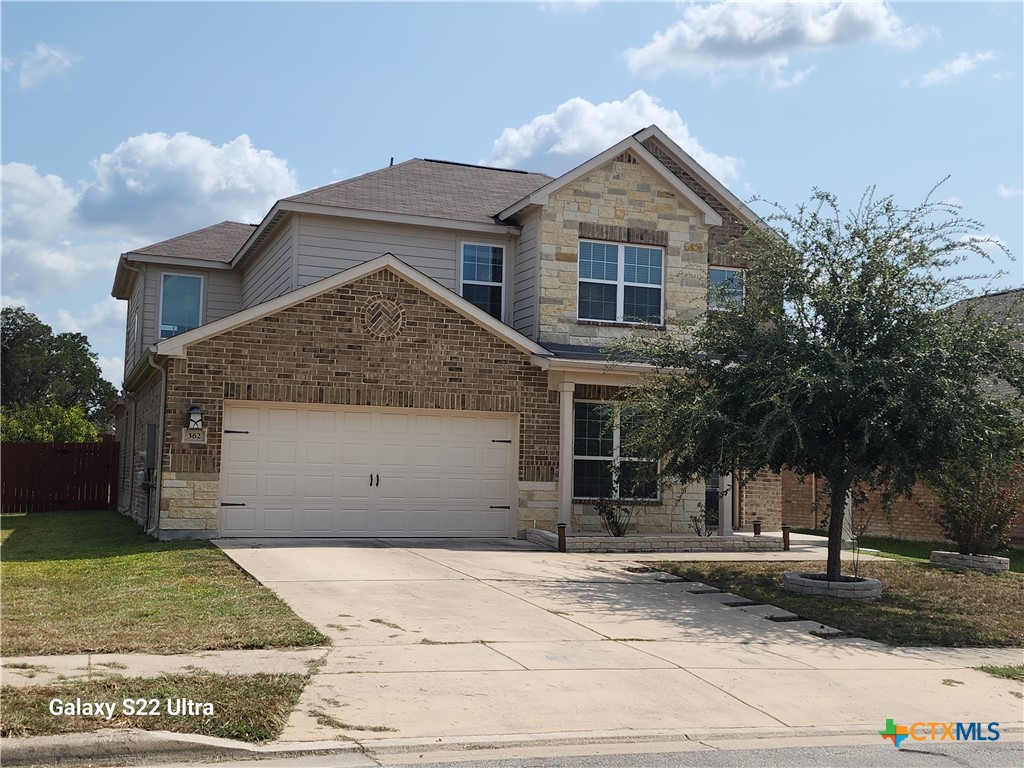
(503, 641)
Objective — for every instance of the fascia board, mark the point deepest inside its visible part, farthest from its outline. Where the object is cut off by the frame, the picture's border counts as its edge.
(540, 197)
(143, 258)
(177, 346)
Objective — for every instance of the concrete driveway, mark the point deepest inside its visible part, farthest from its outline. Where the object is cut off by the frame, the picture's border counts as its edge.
(486, 638)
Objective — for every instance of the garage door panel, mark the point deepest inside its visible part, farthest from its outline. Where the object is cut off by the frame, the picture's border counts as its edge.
(239, 521)
(312, 471)
(239, 486)
(280, 486)
(279, 521)
(320, 453)
(321, 421)
(319, 486)
(317, 521)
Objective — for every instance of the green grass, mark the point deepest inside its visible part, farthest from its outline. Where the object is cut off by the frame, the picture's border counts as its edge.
(921, 604)
(920, 551)
(92, 582)
(1014, 672)
(252, 708)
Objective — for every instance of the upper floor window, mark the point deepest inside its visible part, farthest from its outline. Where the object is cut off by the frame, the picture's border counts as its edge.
(180, 304)
(725, 288)
(483, 270)
(620, 283)
(603, 464)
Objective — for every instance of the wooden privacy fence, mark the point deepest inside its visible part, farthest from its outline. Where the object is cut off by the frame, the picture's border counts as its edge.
(45, 477)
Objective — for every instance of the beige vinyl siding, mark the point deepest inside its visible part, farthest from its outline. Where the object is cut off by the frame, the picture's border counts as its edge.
(223, 294)
(136, 309)
(524, 279)
(327, 246)
(150, 304)
(269, 274)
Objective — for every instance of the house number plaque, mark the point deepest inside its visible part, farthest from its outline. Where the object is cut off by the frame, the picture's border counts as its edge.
(193, 436)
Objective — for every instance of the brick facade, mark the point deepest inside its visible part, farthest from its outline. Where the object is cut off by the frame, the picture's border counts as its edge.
(319, 351)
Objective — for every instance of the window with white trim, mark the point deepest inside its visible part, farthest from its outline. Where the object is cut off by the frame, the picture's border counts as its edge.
(603, 464)
(180, 304)
(483, 276)
(725, 288)
(620, 283)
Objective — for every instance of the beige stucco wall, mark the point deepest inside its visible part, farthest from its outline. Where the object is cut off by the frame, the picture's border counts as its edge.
(621, 193)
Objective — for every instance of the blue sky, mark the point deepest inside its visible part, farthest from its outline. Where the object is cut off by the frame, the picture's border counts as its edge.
(127, 123)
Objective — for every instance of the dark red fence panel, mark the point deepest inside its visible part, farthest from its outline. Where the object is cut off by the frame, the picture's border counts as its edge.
(45, 477)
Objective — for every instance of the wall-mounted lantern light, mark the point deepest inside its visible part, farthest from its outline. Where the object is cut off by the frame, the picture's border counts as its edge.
(195, 417)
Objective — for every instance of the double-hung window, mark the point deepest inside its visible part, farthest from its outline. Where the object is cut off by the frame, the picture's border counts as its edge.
(620, 283)
(725, 288)
(180, 304)
(483, 270)
(604, 466)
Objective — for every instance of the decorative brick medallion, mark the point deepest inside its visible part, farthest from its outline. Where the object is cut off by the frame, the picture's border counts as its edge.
(383, 317)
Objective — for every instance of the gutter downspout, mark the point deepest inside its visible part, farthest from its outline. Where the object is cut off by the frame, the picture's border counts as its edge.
(159, 441)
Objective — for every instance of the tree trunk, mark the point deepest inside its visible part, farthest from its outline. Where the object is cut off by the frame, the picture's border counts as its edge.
(837, 509)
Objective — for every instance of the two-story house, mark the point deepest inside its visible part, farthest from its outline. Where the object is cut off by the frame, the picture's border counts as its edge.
(418, 351)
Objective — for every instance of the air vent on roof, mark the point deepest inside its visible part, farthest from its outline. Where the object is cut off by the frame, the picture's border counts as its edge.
(470, 165)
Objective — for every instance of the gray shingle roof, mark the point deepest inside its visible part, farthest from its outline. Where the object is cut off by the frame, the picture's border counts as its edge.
(217, 243)
(432, 188)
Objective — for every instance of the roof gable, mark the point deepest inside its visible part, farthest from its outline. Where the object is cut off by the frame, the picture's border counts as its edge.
(540, 196)
(178, 345)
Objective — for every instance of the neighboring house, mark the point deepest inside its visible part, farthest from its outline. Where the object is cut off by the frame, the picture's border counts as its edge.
(418, 351)
(909, 518)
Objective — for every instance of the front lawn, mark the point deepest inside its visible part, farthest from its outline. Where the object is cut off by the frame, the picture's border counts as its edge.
(92, 582)
(921, 604)
(251, 708)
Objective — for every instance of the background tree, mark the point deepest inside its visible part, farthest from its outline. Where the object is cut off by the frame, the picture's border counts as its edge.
(38, 367)
(843, 361)
(46, 423)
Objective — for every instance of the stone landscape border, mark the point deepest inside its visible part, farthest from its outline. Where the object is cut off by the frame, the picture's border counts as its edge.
(657, 543)
(861, 588)
(982, 563)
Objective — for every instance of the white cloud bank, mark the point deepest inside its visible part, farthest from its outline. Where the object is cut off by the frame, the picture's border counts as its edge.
(62, 240)
(1006, 192)
(579, 129)
(733, 37)
(42, 62)
(961, 65)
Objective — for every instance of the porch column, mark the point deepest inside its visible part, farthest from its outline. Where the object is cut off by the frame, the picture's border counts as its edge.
(565, 430)
(726, 505)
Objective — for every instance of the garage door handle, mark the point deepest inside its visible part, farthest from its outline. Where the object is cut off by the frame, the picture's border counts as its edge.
(378, 481)
(371, 479)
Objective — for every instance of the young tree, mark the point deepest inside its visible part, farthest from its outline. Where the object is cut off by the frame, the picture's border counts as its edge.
(46, 423)
(37, 366)
(843, 360)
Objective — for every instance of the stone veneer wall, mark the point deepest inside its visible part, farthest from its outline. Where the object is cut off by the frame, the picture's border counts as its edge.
(321, 351)
(606, 204)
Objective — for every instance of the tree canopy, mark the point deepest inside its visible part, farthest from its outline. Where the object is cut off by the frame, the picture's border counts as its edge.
(38, 367)
(849, 357)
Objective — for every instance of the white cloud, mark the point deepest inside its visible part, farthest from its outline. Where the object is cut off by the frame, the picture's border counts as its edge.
(61, 239)
(961, 65)
(1006, 192)
(578, 129)
(165, 185)
(729, 37)
(40, 63)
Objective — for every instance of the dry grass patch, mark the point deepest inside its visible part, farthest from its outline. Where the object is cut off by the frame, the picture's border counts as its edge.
(251, 708)
(109, 588)
(920, 604)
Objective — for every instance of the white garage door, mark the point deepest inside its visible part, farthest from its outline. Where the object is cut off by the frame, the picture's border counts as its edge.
(309, 471)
